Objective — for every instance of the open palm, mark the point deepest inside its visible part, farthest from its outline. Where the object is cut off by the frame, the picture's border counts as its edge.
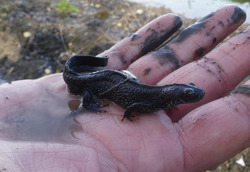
(198, 137)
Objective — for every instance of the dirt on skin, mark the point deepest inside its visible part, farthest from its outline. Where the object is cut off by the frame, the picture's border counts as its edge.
(36, 38)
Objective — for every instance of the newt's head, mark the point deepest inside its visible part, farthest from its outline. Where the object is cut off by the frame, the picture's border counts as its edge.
(185, 93)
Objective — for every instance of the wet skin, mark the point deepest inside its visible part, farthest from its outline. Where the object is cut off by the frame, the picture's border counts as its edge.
(122, 88)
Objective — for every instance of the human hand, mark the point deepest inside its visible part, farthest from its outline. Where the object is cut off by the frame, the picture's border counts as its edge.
(202, 135)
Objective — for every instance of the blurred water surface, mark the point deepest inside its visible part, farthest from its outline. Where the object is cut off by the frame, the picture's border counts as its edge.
(197, 8)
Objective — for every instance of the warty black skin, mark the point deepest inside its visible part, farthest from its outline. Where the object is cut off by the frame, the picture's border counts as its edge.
(122, 88)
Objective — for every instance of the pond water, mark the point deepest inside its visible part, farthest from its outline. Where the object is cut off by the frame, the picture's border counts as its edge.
(196, 8)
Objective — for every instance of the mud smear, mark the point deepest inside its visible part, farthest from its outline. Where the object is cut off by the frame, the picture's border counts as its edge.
(238, 15)
(165, 55)
(187, 32)
(199, 53)
(156, 39)
(44, 119)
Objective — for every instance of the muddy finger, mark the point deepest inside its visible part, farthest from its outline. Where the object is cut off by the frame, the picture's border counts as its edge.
(122, 54)
(191, 44)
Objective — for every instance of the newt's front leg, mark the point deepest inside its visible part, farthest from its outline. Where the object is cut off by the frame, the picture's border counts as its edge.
(89, 103)
(136, 107)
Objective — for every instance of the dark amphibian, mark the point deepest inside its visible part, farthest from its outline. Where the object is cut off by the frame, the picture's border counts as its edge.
(87, 76)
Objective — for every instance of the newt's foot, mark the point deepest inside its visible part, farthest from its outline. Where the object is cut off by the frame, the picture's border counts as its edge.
(131, 118)
(102, 111)
(170, 110)
(91, 108)
(74, 113)
(94, 107)
(103, 103)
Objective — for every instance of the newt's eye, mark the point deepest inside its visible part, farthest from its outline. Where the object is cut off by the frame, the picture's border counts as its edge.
(189, 91)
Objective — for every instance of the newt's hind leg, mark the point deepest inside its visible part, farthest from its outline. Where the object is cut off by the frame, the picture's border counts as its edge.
(136, 107)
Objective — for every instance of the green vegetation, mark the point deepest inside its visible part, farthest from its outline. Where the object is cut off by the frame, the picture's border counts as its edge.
(67, 7)
(241, 1)
(102, 14)
(47, 3)
(3, 10)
